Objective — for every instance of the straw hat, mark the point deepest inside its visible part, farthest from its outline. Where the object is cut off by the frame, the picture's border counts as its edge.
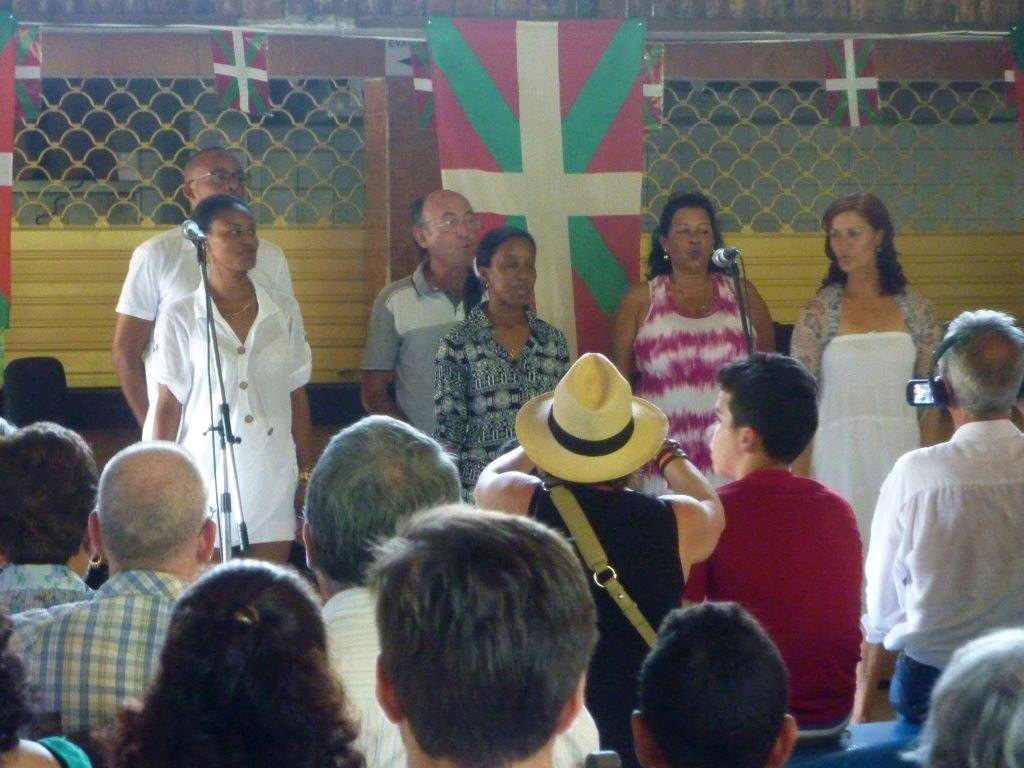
(591, 428)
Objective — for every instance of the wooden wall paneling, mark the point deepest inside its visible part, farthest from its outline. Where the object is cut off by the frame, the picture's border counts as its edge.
(66, 283)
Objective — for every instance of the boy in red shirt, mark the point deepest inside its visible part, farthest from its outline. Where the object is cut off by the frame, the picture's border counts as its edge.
(790, 553)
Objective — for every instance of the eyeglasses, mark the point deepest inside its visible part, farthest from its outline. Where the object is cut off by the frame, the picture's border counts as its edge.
(220, 177)
(451, 221)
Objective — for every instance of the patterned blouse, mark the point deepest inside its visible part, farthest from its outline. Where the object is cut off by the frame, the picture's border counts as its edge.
(24, 587)
(818, 324)
(479, 387)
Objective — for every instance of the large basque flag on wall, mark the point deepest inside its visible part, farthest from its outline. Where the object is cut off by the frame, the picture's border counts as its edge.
(540, 124)
(8, 53)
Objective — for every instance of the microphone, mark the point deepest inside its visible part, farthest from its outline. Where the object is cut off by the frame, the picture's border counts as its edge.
(191, 232)
(724, 258)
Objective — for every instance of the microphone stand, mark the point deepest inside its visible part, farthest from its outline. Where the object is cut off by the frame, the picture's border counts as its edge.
(741, 299)
(223, 429)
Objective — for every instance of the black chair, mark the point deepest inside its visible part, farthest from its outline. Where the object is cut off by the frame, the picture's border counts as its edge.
(35, 389)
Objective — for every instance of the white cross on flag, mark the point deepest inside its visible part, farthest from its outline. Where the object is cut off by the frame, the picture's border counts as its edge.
(851, 83)
(240, 69)
(540, 126)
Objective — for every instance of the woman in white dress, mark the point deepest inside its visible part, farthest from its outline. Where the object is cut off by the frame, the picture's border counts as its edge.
(266, 363)
(863, 336)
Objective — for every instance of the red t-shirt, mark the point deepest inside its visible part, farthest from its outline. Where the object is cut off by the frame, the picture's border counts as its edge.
(791, 555)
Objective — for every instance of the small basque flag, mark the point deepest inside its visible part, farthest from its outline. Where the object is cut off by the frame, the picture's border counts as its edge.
(28, 71)
(851, 83)
(240, 69)
(653, 76)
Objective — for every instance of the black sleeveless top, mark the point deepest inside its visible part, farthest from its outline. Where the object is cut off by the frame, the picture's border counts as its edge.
(638, 533)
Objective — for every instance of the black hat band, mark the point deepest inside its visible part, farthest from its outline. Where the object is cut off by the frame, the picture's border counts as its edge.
(589, 447)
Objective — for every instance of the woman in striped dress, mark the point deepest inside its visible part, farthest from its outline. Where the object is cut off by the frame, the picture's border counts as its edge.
(672, 334)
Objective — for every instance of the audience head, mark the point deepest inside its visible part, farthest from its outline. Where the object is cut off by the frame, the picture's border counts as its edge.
(872, 212)
(491, 245)
(151, 511)
(977, 707)
(14, 710)
(590, 429)
(713, 694)
(244, 679)
(486, 627)
(48, 487)
(658, 260)
(768, 404)
(984, 366)
(370, 476)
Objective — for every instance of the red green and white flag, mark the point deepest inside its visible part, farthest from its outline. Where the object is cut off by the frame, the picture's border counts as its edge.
(540, 125)
(1011, 75)
(8, 56)
(1009, 67)
(28, 71)
(653, 75)
(240, 70)
(851, 83)
(1013, 68)
(421, 82)
(405, 58)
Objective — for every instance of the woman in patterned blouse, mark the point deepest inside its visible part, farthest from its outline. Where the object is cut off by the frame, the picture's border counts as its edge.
(499, 358)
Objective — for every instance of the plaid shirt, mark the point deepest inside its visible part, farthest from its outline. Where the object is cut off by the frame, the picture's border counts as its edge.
(84, 658)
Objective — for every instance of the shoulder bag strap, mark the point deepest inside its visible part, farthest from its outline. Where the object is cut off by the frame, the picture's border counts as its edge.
(604, 574)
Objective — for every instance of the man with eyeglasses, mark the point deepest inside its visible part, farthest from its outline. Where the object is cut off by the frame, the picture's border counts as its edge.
(411, 315)
(164, 268)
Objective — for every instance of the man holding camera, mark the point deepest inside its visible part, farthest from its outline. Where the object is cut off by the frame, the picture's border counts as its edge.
(946, 559)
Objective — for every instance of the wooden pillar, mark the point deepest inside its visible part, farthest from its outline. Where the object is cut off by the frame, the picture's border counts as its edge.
(401, 165)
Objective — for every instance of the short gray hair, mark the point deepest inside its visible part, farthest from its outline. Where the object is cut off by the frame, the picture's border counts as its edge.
(151, 504)
(985, 365)
(372, 475)
(977, 710)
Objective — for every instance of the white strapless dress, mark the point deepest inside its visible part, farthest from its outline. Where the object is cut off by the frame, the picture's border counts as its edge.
(864, 422)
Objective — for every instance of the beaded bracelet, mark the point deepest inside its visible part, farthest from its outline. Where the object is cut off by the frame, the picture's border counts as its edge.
(670, 450)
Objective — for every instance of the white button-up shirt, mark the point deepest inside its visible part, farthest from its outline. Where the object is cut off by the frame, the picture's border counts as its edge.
(164, 269)
(260, 373)
(946, 559)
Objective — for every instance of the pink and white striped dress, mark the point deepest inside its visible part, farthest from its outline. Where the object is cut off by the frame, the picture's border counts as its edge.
(677, 358)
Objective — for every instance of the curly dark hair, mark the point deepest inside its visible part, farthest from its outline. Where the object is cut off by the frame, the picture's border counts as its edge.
(13, 705)
(244, 680)
(657, 260)
(874, 212)
(48, 486)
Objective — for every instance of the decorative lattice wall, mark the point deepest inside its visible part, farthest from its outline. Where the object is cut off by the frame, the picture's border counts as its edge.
(109, 152)
(946, 158)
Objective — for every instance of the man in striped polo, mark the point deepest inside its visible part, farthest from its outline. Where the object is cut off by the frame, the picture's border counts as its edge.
(411, 315)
